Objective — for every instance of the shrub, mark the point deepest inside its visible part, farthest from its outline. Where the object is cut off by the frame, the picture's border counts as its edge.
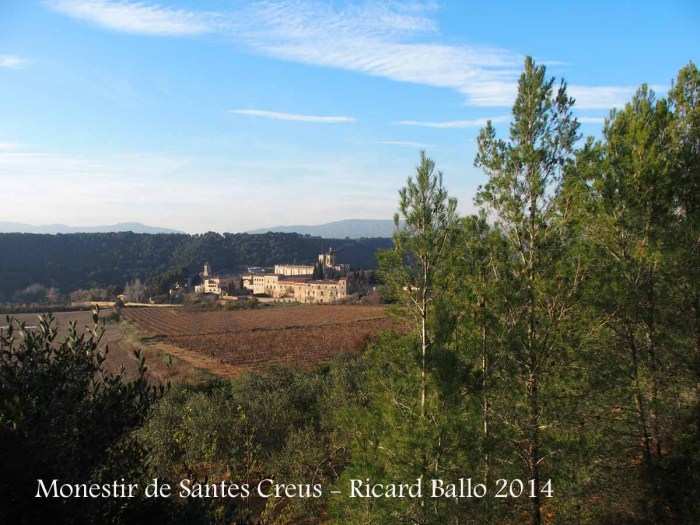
(62, 416)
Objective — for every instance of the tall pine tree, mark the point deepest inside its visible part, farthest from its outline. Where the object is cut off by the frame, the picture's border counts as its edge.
(525, 197)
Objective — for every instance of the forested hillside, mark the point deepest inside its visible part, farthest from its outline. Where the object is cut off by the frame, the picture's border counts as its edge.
(86, 260)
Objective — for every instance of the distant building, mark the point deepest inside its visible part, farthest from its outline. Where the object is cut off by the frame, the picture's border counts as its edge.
(247, 281)
(214, 284)
(301, 288)
(327, 260)
(296, 281)
(211, 285)
(322, 291)
(293, 269)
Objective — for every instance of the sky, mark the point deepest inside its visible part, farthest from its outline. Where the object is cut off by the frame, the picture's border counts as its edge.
(215, 115)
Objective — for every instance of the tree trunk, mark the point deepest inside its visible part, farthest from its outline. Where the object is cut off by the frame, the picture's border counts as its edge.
(534, 446)
(485, 371)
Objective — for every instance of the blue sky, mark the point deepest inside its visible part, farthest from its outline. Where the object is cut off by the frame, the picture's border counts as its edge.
(230, 115)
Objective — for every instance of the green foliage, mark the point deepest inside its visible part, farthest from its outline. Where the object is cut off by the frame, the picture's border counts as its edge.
(526, 194)
(392, 440)
(427, 215)
(645, 242)
(318, 271)
(160, 284)
(248, 304)
(403, 433)
(561, 340)
(63, 417)
(281, 425)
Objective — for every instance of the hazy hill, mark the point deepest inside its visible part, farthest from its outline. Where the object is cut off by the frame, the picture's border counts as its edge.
(353, 228)
(136, 227)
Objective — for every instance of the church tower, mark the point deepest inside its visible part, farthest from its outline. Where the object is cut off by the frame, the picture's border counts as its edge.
(327, 259)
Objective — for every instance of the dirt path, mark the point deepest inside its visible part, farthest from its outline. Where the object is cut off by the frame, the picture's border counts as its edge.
(197, 360)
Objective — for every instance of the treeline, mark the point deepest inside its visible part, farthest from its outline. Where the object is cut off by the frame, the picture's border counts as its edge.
(85, 261)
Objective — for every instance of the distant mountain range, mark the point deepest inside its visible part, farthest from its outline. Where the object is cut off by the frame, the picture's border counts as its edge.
(136, 227)
(352, 228)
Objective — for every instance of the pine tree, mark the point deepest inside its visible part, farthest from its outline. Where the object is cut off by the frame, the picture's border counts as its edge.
(644, 229)
(683, 464)
(684, 99)
(428, 218)
(524, 194)
(405, 432)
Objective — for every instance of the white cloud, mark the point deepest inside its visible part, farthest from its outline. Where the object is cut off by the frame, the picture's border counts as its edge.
(591, 120)
(459, 124)
(139, 17)
(604, 97)
(378, 39)
(397, 41)
(387, 39)
(12, 61)
(9, 145)
(403, 143)
(292, 116)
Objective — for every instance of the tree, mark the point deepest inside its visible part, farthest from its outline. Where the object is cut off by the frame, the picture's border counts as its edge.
(525, 196)
(481, 267)
(135, 291)
(427, 218)
(425, 231)
(318, 271)
(159, 285)
(645, 232)
(684, 100)
(34, 293)
(62, 416)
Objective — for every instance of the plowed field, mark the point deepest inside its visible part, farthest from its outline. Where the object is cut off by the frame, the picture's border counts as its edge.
(230, 342)
(119, 353)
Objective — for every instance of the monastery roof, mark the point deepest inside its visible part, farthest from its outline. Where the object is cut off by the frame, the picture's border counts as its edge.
(296, 278)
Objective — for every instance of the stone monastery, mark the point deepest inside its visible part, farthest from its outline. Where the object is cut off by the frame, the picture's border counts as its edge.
(288, 281)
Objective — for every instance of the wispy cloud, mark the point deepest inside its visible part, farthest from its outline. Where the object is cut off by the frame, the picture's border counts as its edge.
(603, 97)
(460, 124)
(394, 40)
(591, 120)
(292, 116)
(12, 61)
(139, 17)
(380, 39)
(4, 146)
(403, 143)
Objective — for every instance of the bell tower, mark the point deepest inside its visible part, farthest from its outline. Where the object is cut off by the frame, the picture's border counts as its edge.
(327, 259)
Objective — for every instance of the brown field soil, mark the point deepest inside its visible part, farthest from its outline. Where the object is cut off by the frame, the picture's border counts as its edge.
(121, 340)
(169, 322)
(228, 343)
(120, 354)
